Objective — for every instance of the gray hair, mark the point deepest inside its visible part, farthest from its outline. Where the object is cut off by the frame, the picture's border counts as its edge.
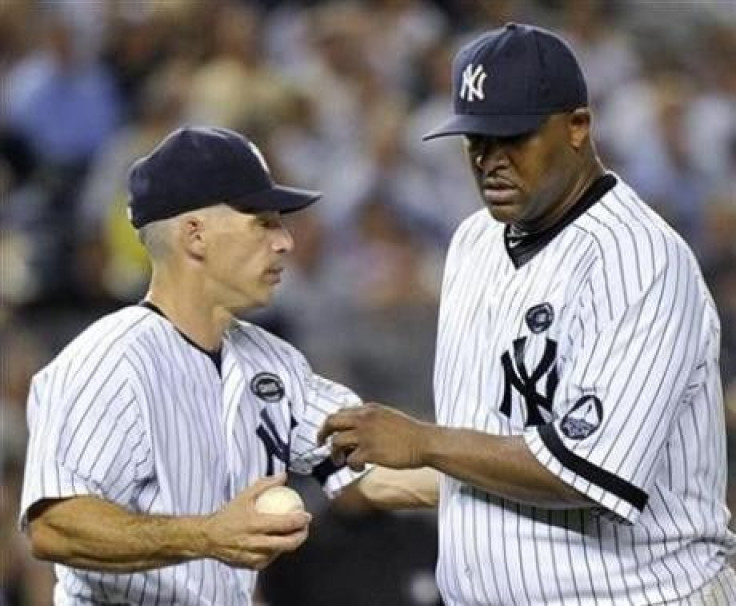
(156, 238)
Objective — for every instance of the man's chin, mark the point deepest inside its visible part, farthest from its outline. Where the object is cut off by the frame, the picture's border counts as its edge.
(252, 305)
(502, 214)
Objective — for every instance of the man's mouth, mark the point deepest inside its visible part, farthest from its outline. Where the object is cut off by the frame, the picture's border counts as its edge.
(499, 191)
(273, 274)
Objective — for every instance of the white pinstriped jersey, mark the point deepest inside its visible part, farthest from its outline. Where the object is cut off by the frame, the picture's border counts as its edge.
(602, 352)
(132, 412)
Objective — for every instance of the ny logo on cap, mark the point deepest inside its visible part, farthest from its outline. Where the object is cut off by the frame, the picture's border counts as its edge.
(473, 79)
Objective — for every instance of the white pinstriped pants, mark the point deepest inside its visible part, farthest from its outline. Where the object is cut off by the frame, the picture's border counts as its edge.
(721, 591)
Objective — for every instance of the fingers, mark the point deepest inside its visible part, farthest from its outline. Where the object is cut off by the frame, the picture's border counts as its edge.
(282, 524)
(346, 419)
(342, 445)
(339, 421)
(263, 550)
(274, 544)
(344, 442)
(252, 540)
(242, 536)
(356, 460)
(270, 552)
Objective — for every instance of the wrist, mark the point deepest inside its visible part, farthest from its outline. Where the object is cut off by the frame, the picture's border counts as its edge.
(202, 533)
(429, 447)
(190, 538)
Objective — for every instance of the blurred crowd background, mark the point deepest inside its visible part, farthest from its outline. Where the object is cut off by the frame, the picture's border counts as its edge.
(337, 95)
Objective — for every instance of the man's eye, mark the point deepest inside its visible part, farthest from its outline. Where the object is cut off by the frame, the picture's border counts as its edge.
(516, 140)
(269, 222)
(474, 142)
(477, 144)
(474, 145)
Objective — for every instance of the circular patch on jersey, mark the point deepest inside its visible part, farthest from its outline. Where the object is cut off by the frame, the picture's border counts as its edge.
(540, 317)
(267, 386)
(583, 418)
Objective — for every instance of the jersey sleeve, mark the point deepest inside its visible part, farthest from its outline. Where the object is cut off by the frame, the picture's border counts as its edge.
(635, 358)
(320, 398)
(86, 437)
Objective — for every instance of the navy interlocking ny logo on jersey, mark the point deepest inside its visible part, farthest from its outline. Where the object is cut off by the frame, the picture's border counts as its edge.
(276, 447)
(267, 386)
(516, 376)
(270, 388)
(540, 317)
(583, 418)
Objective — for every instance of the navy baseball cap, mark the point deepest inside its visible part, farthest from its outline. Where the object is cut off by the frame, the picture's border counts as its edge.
(194, 167)
(509, 80)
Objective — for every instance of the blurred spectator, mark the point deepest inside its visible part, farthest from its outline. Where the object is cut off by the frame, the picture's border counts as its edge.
(660, 166)
(120, 269)
(479, 14)
(298, 142)
(605, 53)
(337, 74)
(17, 31)
(390, 281)
(711, 121)
(64, 104)
(401, 31)
(312, 292)
(136, 45)
(450, 194)
(23, 580)
(21, 213)
(235, 87)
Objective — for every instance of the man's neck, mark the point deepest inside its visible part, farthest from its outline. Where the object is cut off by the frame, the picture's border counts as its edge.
(588, 174)
(183, 304)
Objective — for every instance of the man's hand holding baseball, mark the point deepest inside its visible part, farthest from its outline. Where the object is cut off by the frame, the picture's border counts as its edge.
(242, 537)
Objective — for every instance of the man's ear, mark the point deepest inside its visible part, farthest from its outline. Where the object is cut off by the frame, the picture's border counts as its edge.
(579, 127)
(192, 235)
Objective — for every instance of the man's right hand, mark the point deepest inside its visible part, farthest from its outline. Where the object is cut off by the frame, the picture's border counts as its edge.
(240, 536)
(93, 534)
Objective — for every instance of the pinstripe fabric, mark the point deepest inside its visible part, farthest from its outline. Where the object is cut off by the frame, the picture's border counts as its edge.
(131, 412)
(721, 591)
(634, 329)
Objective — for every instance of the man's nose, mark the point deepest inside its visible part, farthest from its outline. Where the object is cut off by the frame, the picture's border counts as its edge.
(283, 241)
(490, 155)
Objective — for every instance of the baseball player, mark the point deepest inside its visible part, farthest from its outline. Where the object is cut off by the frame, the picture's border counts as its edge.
(580, 430)
(151, 433)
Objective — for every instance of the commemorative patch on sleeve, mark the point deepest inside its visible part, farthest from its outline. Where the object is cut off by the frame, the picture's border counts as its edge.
(583, 418)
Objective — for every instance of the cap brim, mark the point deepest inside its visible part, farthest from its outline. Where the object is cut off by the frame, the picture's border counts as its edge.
(490, 125)
(280, 198)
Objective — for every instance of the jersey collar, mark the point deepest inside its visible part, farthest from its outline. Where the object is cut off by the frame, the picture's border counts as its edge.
(523, 247)
(215, 356)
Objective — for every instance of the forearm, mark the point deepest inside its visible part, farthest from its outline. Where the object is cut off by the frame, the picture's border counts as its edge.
(391, 489)
(500, 465)
(89, 533)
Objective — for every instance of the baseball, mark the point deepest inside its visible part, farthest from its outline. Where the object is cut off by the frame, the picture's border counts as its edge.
(279, 500)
